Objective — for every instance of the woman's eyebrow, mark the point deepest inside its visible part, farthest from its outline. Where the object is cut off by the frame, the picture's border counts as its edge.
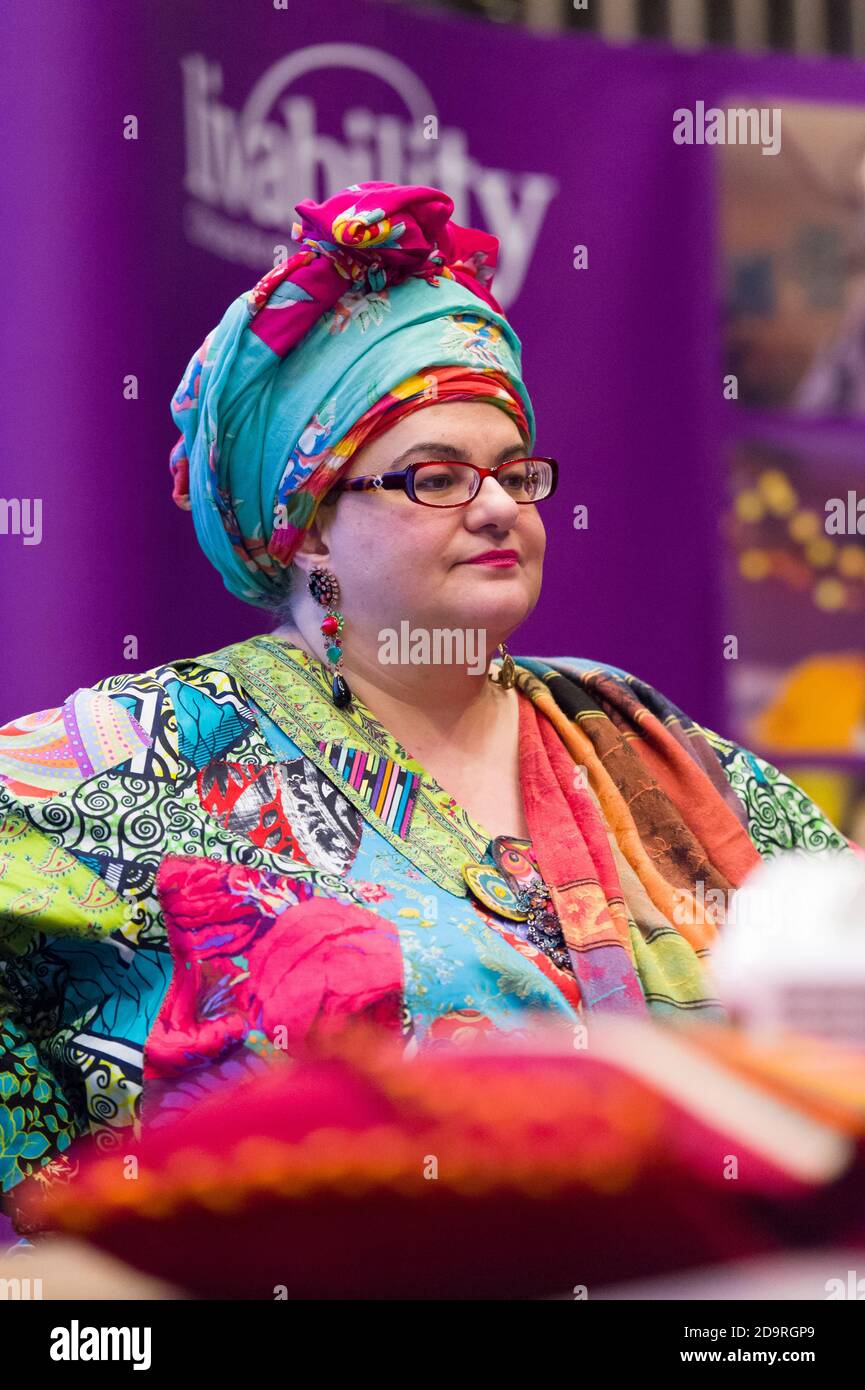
(449, 451)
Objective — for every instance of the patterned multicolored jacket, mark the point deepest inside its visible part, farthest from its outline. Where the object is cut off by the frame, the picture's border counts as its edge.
(156, 827)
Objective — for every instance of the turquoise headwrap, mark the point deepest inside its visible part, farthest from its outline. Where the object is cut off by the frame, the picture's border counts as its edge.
(385, 287)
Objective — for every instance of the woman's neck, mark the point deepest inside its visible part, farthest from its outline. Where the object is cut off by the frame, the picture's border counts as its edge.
(423, 705)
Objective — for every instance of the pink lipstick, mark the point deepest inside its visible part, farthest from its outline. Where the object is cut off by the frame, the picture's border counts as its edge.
(499, 558)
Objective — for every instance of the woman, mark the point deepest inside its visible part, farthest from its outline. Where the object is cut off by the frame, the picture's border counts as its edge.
(224, 857)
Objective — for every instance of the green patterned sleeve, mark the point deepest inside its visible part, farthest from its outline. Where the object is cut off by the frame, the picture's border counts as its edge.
(781, 815)
(38, 1119)
(42, 888)
(79, 935)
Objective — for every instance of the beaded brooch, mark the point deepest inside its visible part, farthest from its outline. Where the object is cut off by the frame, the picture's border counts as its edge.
(513, 888)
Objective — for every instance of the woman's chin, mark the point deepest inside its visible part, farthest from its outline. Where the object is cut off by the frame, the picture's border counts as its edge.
(483, 614)
(495, 603)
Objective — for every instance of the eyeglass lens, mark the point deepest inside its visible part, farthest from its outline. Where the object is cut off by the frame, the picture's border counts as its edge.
(448, 484)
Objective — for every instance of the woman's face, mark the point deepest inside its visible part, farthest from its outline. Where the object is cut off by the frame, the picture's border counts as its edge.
(396, 560)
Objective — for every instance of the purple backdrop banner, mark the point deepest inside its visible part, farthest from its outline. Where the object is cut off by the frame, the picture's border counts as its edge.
(152, 158)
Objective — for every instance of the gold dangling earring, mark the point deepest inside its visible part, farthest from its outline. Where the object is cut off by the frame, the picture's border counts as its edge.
(508, 673)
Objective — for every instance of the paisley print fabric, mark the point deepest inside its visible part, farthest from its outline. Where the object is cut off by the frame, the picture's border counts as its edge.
(218, 818)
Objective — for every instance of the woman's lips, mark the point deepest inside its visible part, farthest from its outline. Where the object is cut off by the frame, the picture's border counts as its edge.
(501, 560)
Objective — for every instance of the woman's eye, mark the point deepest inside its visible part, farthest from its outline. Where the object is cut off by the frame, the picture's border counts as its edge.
(515, 481)
(434, 482)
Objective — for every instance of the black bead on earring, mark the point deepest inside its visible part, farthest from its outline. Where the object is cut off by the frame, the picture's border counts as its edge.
(324, 587)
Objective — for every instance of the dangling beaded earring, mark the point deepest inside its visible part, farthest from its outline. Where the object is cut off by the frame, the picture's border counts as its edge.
(324, 587)
(508, 673)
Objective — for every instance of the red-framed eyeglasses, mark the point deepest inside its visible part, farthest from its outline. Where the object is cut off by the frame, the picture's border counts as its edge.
(443, 483)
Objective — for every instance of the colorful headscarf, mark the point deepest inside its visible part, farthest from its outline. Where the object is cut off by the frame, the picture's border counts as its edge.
(386, 308)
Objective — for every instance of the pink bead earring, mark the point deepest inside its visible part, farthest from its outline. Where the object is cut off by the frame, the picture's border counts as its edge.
(324, 587)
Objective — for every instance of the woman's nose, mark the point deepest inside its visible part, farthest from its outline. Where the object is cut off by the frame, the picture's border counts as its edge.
(491, 497)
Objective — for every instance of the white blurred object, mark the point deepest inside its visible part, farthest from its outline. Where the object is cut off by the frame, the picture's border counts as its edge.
(792, 952)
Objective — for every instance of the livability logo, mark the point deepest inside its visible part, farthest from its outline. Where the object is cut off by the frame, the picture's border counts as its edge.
(75, 1343)
(246, 169)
